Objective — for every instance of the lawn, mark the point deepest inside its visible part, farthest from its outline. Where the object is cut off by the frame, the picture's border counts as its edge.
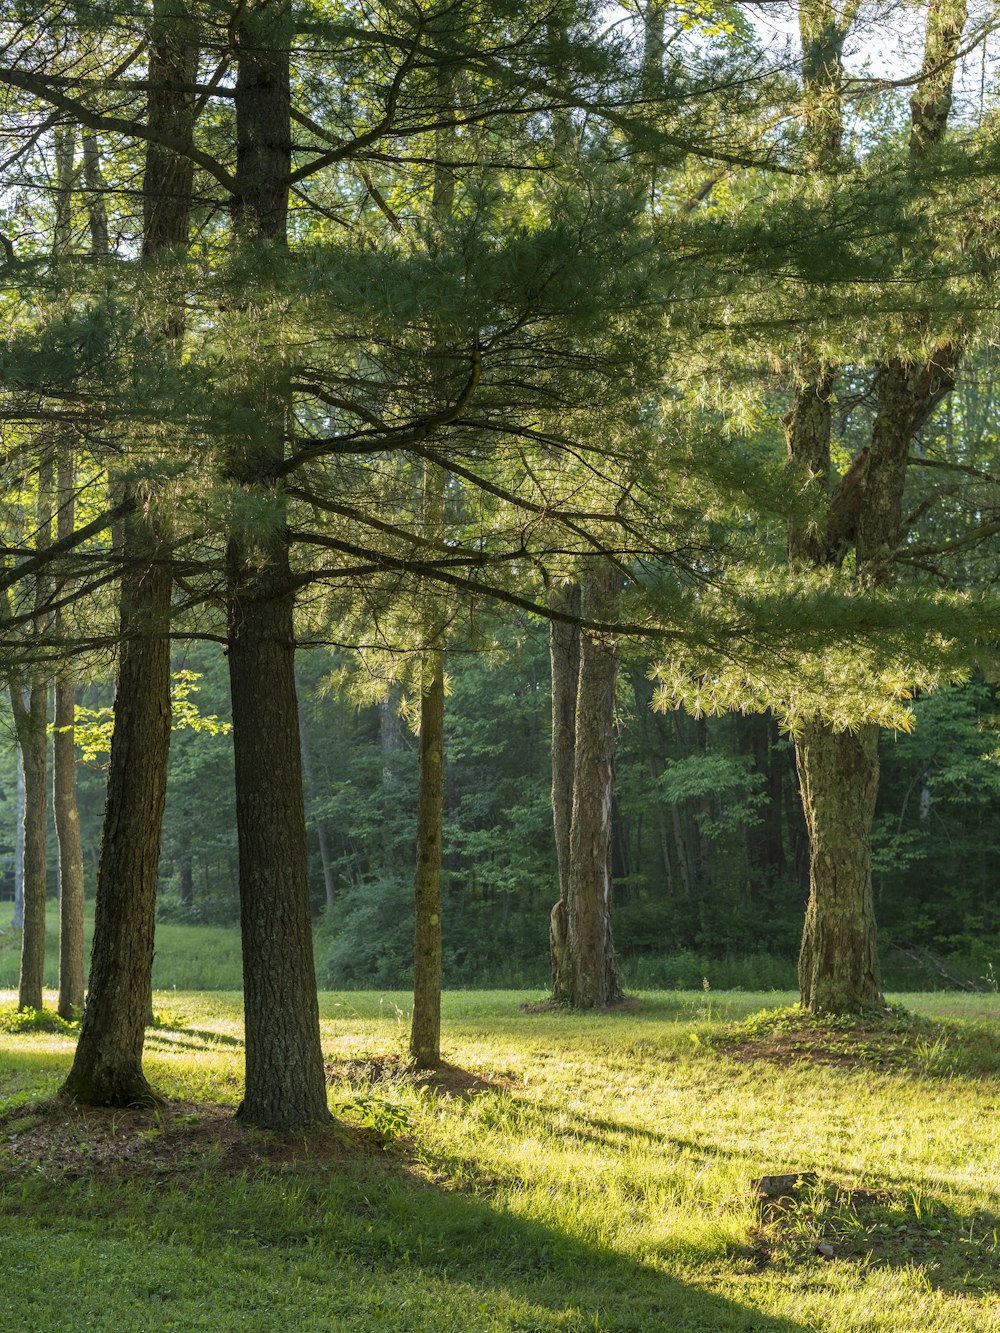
(563, 1172)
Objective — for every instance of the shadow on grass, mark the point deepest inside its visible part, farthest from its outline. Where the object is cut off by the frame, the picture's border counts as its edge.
(204, 1040)
(897, 1227)
(347, 1235)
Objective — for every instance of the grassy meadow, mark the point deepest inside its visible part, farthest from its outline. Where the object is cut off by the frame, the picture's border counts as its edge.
(563, 1172)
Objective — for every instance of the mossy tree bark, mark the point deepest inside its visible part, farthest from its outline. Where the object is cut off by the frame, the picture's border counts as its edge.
(838, 965)
(838, 960)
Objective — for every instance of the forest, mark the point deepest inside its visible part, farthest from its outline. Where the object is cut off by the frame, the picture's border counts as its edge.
(580, 451)
(501, 512)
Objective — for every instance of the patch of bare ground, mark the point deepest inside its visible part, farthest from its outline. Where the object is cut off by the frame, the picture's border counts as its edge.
(60, 1138)
(384, 1072)
(893, 1041)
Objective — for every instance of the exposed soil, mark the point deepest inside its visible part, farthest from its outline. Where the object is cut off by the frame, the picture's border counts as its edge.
(388, 1071)
(60, 1138)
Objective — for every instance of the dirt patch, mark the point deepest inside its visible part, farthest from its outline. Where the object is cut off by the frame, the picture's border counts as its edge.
(898, 1042)
(386, 1072)
(61, 1138)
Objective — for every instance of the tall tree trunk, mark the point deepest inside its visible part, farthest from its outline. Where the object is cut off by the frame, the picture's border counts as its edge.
(31, 722)
(107, 1067)
(838, 961)
(564, 658)
(425, 1035)
(309, 782)
(20, 804)
(838, 967)
(588, 971)
(285, 1083)
(67, 819)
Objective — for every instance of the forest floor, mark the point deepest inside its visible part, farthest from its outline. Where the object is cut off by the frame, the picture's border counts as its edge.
(688, 1162)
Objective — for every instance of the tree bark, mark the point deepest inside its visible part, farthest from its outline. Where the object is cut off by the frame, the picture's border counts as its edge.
(838, 961)
(31, 722)
(425, 1035)
(107, 1067)
(67, 820)
(838, 967)
(285, 1083)
(588, 971)
(564, 657)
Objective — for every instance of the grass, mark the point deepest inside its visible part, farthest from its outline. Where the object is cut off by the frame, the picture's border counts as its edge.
(564, 1172)
(187, 957)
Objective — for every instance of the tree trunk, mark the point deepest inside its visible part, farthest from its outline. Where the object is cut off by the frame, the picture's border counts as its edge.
(107, 1067)
(838, 969)
(285, 1083)
(588, 971)
(838, 962)
(564, 656)
(425, 1035)
(67, 819)
(64, 807)
(20, 804)
(32, 729)
(309, 780)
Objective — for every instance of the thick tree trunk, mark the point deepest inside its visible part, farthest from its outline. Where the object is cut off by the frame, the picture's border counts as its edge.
(425, 1034)
(107, 1067)
(285, 1083)
(588, 971)
(838, 969)
(32, 729)
(838, 961)
(564, 657)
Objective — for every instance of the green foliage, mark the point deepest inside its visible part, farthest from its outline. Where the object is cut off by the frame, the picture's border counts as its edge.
(93, 726)
(13, 1020)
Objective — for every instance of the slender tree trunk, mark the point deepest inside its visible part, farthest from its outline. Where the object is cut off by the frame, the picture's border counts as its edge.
(838, 961)
(564, 658)
(285, 1083)
(64, 807)
(588, 971)
(425, 1036)
(17, 920)
(107, 1067)
(309, 781)
(67, 819)
(32, 729)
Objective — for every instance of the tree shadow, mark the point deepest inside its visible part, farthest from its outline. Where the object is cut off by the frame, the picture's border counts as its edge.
(284, 1209)
(897, 1226)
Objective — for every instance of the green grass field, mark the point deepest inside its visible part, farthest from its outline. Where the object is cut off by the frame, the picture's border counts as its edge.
(564, 1172)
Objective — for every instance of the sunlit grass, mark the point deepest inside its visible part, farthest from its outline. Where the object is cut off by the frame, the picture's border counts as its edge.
(568, 1172)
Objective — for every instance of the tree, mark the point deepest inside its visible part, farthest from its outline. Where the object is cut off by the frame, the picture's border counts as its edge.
(107, 1065)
